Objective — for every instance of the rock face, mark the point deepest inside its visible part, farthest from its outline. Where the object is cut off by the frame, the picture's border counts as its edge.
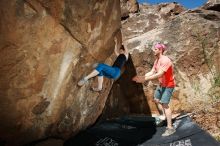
(149, 17)
(46, 47)
(213, 1)
(193, 40)
(128, 7)
(212, 5)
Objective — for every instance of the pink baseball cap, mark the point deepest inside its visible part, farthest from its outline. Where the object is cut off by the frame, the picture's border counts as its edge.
(160, 46)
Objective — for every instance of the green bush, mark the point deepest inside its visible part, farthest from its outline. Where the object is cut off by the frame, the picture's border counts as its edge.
(217, 80)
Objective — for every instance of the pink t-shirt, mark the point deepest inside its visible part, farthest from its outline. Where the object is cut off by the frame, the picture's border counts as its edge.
(164, 63)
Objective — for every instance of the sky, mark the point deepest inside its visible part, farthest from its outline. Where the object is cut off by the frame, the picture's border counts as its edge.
(190, 4)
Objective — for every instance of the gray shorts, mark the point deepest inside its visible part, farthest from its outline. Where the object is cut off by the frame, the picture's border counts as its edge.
(163, 94)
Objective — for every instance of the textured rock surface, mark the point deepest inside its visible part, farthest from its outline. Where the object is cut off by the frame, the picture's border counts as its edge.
(148, 18)
(128, 7)
(193, 40)
(212, 5)
(45, 48)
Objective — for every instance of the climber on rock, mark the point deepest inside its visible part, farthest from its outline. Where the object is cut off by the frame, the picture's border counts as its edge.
(112, 72)
(163, 70)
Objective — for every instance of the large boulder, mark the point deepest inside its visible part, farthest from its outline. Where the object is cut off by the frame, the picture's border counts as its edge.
(46, 47)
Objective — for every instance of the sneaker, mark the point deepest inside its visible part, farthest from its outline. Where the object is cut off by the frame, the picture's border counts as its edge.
(169, 131)
(82, 82)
